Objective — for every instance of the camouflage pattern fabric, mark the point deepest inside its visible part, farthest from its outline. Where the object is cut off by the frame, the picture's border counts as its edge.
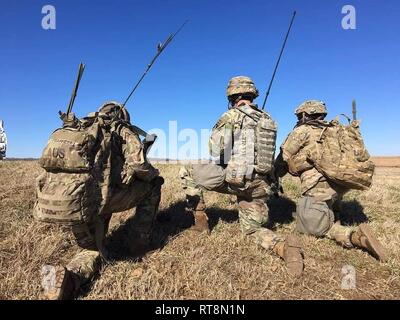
(294, 152)
(321, 198)
(255, 190)
(341, 234)
(3, 141)
(241, 85)
(252, 200)
(135, 164)
(335, 150)
(87, 262)
(145, 196)
(244, 140)
(311, 107)
(220, 142)
(123, 179)
(316, 213)
(341, 156)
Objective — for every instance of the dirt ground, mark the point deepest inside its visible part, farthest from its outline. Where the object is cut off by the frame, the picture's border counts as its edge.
(223, 265)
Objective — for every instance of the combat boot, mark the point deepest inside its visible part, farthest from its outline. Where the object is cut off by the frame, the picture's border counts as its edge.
(364, 238)
(197, 207)
(59, 283)
(290, 251)
(140, 244)
(200, 222)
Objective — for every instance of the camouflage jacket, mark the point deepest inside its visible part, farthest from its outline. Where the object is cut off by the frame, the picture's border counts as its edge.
(130, 161)
(220, 142)
(293, 157)
(3, 140)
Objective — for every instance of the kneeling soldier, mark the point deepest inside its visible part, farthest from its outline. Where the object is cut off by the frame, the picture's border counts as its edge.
(330, 159)
(94, 167)
(244, 140)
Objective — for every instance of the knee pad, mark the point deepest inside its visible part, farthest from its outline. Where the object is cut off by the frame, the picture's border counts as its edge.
(313, 217)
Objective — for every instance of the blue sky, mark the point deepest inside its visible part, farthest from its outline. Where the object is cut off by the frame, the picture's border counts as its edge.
(116, 39)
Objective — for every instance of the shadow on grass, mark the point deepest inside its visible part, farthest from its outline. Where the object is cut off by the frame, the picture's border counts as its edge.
(175, 219)
(281, 211)
(216, 214)
(169, 222)
(351, 212)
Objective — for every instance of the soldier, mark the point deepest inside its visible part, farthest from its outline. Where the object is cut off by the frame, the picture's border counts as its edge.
(3, 141)
(122, 179)
(244, 139)
(321, 197)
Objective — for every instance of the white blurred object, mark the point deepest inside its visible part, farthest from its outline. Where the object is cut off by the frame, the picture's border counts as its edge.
(3, 141)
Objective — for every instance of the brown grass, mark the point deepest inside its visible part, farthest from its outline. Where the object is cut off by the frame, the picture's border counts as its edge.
(387, 161)
(223, 265)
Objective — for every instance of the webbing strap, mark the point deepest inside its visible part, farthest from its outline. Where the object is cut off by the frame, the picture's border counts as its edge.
(52, 197)
(55, 207)
(254, 118)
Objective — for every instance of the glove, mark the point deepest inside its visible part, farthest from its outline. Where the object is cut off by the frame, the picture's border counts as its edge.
(127, 176)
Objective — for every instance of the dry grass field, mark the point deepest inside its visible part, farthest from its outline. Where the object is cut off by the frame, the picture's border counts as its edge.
(223, 265)
(392, 162)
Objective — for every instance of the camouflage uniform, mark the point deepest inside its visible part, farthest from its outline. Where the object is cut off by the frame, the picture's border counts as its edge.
(143, 191)
(128, 180)
(255, 191)
(320, 204)
(321, 198)
(252, 199)
(3, 141)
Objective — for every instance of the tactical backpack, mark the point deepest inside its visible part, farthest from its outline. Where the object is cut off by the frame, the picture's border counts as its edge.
(341, 156)
(254, 146)
(68, 191)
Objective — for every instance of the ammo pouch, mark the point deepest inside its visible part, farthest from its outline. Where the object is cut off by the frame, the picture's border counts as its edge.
(265, 145)
(66, 198)
(235, 173)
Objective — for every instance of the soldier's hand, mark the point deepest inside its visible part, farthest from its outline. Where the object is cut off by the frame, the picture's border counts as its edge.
(127, 176)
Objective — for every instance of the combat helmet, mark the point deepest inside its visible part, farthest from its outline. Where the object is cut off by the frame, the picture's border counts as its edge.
(241, 85)
(114, 109)
(311, 107)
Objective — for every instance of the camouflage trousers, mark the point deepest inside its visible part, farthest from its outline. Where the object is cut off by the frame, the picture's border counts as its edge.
(252, 199)
(145, 196)
(317, 211)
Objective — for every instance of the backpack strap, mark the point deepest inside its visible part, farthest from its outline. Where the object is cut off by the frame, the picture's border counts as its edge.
(248, 111)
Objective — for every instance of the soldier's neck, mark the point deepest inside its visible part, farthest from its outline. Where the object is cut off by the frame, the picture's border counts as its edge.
(243, 102)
